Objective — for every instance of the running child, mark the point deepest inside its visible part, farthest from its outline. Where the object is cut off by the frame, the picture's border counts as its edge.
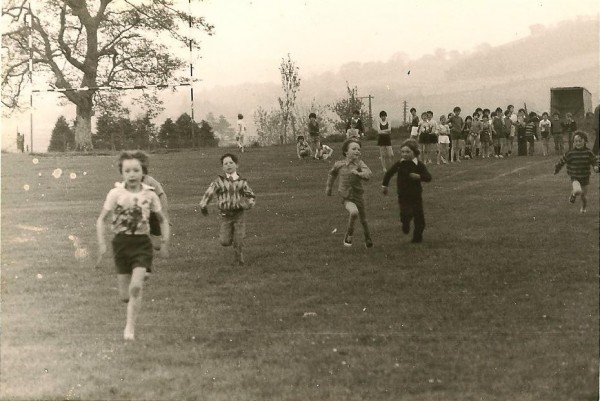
(384, 141)
(234, 197)
(352, 172)
(131, 203)
(155, 233)
(411, 172)
(578, 161)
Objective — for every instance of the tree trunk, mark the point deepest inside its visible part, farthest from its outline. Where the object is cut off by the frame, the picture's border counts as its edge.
(83, 128)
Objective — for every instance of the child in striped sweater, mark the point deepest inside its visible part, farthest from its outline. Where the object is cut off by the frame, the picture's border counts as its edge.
(578, 161)
(352, 171)
(234, 196)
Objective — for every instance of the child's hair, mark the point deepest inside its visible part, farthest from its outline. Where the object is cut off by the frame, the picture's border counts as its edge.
(429, 112)
(532, 114)
(413, 109)
(347, 143)
(468, 118)
(382, 114)
(356, 112)
(424, 114)
(442, 118)
(240, 116)
(522, 111)
(486, 111)
(582, 135)
(494, 114)
(569, 115)
(510, 106)
(137, 155)
(233, 157)
(300, 138)
(312, 115)
(556, 113)
(507, 113)
(545, 114)
(450, 115)
(476, 114)
(478, 110)
(412, 145)
(456, 109)
(498, 110)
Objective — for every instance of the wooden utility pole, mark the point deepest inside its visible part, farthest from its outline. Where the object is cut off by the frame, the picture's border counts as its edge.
(370, 108)
(405, 107)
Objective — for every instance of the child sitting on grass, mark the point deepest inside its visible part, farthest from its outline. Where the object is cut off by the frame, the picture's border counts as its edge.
(131, 203)
(411, 172)
(302, 148)
(352, 171)
(578, 161)
(234, 196)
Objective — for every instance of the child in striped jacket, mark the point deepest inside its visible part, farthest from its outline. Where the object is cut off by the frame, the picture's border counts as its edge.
(578, 161)
(234, 196)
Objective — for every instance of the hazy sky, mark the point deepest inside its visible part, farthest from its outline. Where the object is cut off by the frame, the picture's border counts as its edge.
(251, 38)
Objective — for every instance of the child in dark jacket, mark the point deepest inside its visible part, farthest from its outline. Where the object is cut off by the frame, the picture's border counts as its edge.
(410, 174)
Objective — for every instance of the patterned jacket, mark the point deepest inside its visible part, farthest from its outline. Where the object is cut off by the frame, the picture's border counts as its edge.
(232, 196)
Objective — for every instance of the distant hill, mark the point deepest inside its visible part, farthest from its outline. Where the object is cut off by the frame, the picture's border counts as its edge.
(517, 72)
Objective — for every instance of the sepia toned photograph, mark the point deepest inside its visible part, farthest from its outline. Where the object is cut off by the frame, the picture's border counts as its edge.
(269, 200)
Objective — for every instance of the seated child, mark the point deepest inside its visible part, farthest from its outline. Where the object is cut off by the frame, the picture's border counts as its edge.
(302, 147)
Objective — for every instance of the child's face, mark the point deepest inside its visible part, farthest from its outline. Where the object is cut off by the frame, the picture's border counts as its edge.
(406, 153)
(353, 152)
(313, 119)
(229, 166)
(578, 142)
(545, 117)
(555, 117)
(457, 113)
(132, 172)
(383, 118)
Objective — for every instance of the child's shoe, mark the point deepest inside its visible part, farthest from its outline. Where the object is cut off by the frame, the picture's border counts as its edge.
(417, 238)
(369, 243)
(406, 227)
(572, 198)
(583, 210)
(347, 240)
(128, 334)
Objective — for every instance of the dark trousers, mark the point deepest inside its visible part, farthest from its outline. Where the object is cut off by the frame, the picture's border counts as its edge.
(412, 209)
(530, 146)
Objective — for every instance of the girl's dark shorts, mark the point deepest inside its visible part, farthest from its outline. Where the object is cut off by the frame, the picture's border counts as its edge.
(583, 181)
(132, 251)
(384, 140)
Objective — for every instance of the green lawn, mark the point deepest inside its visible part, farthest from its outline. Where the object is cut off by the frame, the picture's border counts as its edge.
(500, 302)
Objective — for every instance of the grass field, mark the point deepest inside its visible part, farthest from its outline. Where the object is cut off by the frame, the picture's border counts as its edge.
(500, 302)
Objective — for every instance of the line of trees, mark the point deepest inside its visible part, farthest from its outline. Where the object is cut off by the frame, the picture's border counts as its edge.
(118, 132)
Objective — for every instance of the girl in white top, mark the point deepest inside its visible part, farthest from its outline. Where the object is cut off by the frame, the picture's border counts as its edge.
(241, 131)
(443, 132)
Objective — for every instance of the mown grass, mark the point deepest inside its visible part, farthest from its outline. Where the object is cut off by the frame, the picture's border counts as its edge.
(499, 303)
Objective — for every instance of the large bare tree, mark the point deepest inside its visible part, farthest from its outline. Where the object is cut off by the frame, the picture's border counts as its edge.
(75, 44)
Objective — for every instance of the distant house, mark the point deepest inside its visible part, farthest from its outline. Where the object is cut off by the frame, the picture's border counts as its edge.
(575, 100)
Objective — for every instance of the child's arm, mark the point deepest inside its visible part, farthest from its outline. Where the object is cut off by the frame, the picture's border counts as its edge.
(388, 176)
(331, 177)
(165, 229)
(423, 174)
(212, 188)
(560, 164)
(298, 151)
(100, 231)
(364, 173)
(249, 194)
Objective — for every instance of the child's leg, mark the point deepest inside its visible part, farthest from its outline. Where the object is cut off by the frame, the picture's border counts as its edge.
(136, 286)
(383, 158)
(363, 221)
(226, 231)
(419, 221)
(352, 216)
(239, 232)
(406, 216)
(577, 188)
(584, 190)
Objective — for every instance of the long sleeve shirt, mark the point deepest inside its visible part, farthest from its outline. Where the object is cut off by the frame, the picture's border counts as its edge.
(578, 162)
(350, 183)
(232, 194)
(408, 188)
